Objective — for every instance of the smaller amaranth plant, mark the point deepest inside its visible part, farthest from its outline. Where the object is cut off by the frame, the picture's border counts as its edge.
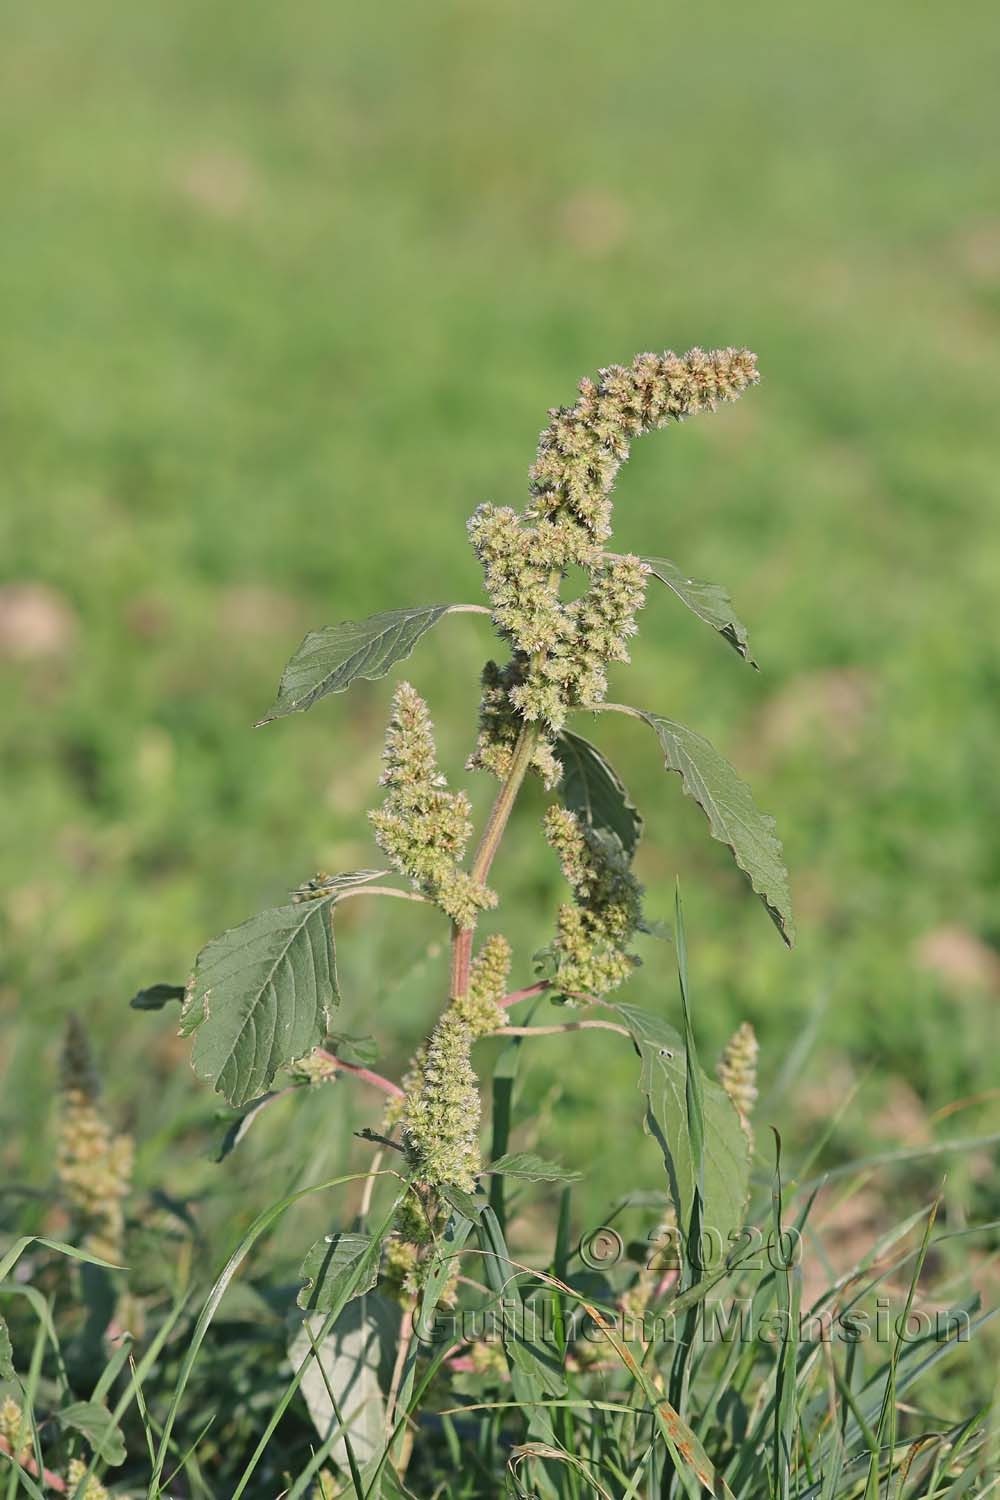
(261, 997)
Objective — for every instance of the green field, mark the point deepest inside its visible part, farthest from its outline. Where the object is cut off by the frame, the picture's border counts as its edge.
(287, 291)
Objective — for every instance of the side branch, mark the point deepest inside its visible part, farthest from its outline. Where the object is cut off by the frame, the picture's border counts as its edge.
(461, 956)
(379, 890)
(557, 1030)
(365, 1074)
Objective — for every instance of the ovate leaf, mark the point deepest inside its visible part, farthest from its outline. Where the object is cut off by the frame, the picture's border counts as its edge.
(329, 660)
(354, 1361)
(156, 996)
(725, 1150)
(592, 789)
(97, 1426)
(262, 994)
(330, 1268)
(531, 1167)
(733, 816)
(709, 601)
(261, 997)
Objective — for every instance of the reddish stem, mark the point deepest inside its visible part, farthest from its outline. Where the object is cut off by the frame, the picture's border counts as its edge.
(525, 994)
(54, 1481)
(540, 988)
(365, 1074)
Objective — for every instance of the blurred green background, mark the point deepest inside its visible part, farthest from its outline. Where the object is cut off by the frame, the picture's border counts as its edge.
(287, 290)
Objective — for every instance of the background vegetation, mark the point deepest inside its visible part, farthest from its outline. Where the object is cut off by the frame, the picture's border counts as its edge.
(286, 292)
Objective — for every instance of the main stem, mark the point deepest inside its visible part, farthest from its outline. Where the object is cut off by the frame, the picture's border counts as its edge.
(461, 949)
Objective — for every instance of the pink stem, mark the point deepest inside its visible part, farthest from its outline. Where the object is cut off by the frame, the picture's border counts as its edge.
(54, 1481)
(525, 994)
(365, 1074)
(539, 989)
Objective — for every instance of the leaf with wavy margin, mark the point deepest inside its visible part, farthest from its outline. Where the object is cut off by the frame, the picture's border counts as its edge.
(329, 660)
(332, 1266)
(262, 997)
(263, 993)
(709, 601)
(733, 816)
(531, 1167)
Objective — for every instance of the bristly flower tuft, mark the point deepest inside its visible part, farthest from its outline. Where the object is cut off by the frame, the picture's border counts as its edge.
(737, 1070)
(480, 1008)
(15, 1429)
(442, 1111)
(589, 953)
(422, 827)
(584, 446)
(92, 1490)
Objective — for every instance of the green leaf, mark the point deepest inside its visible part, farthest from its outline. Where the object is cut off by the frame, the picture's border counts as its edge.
(531, 1358)
(725, 1149)
(360, 1050)
(329, 660)
(592, 789)
(156, 996)
(693, 1087)
(447, 1248)
(261, 997)
(97, 1426)
(238, 1128)
(709, 601)
(329, 1268)
(733, 817)
(353, 1361)
(525, 1164)
(6, 1353)
(466, 1205)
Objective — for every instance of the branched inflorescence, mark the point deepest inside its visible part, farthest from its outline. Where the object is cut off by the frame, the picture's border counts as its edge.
(561, 649)
(589, 952)
(422, 827)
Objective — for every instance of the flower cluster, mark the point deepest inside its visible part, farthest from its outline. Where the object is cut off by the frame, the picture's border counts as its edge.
(422, 827)
(441, 1113)
(315, 1068)
(441, 1116)
(584, 446)
(500, 724)
(92, 1490)
(480, 1008)
(94, 1166)
(15, 1429)
(589, 950)
(737, 1070)
(561, 649)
